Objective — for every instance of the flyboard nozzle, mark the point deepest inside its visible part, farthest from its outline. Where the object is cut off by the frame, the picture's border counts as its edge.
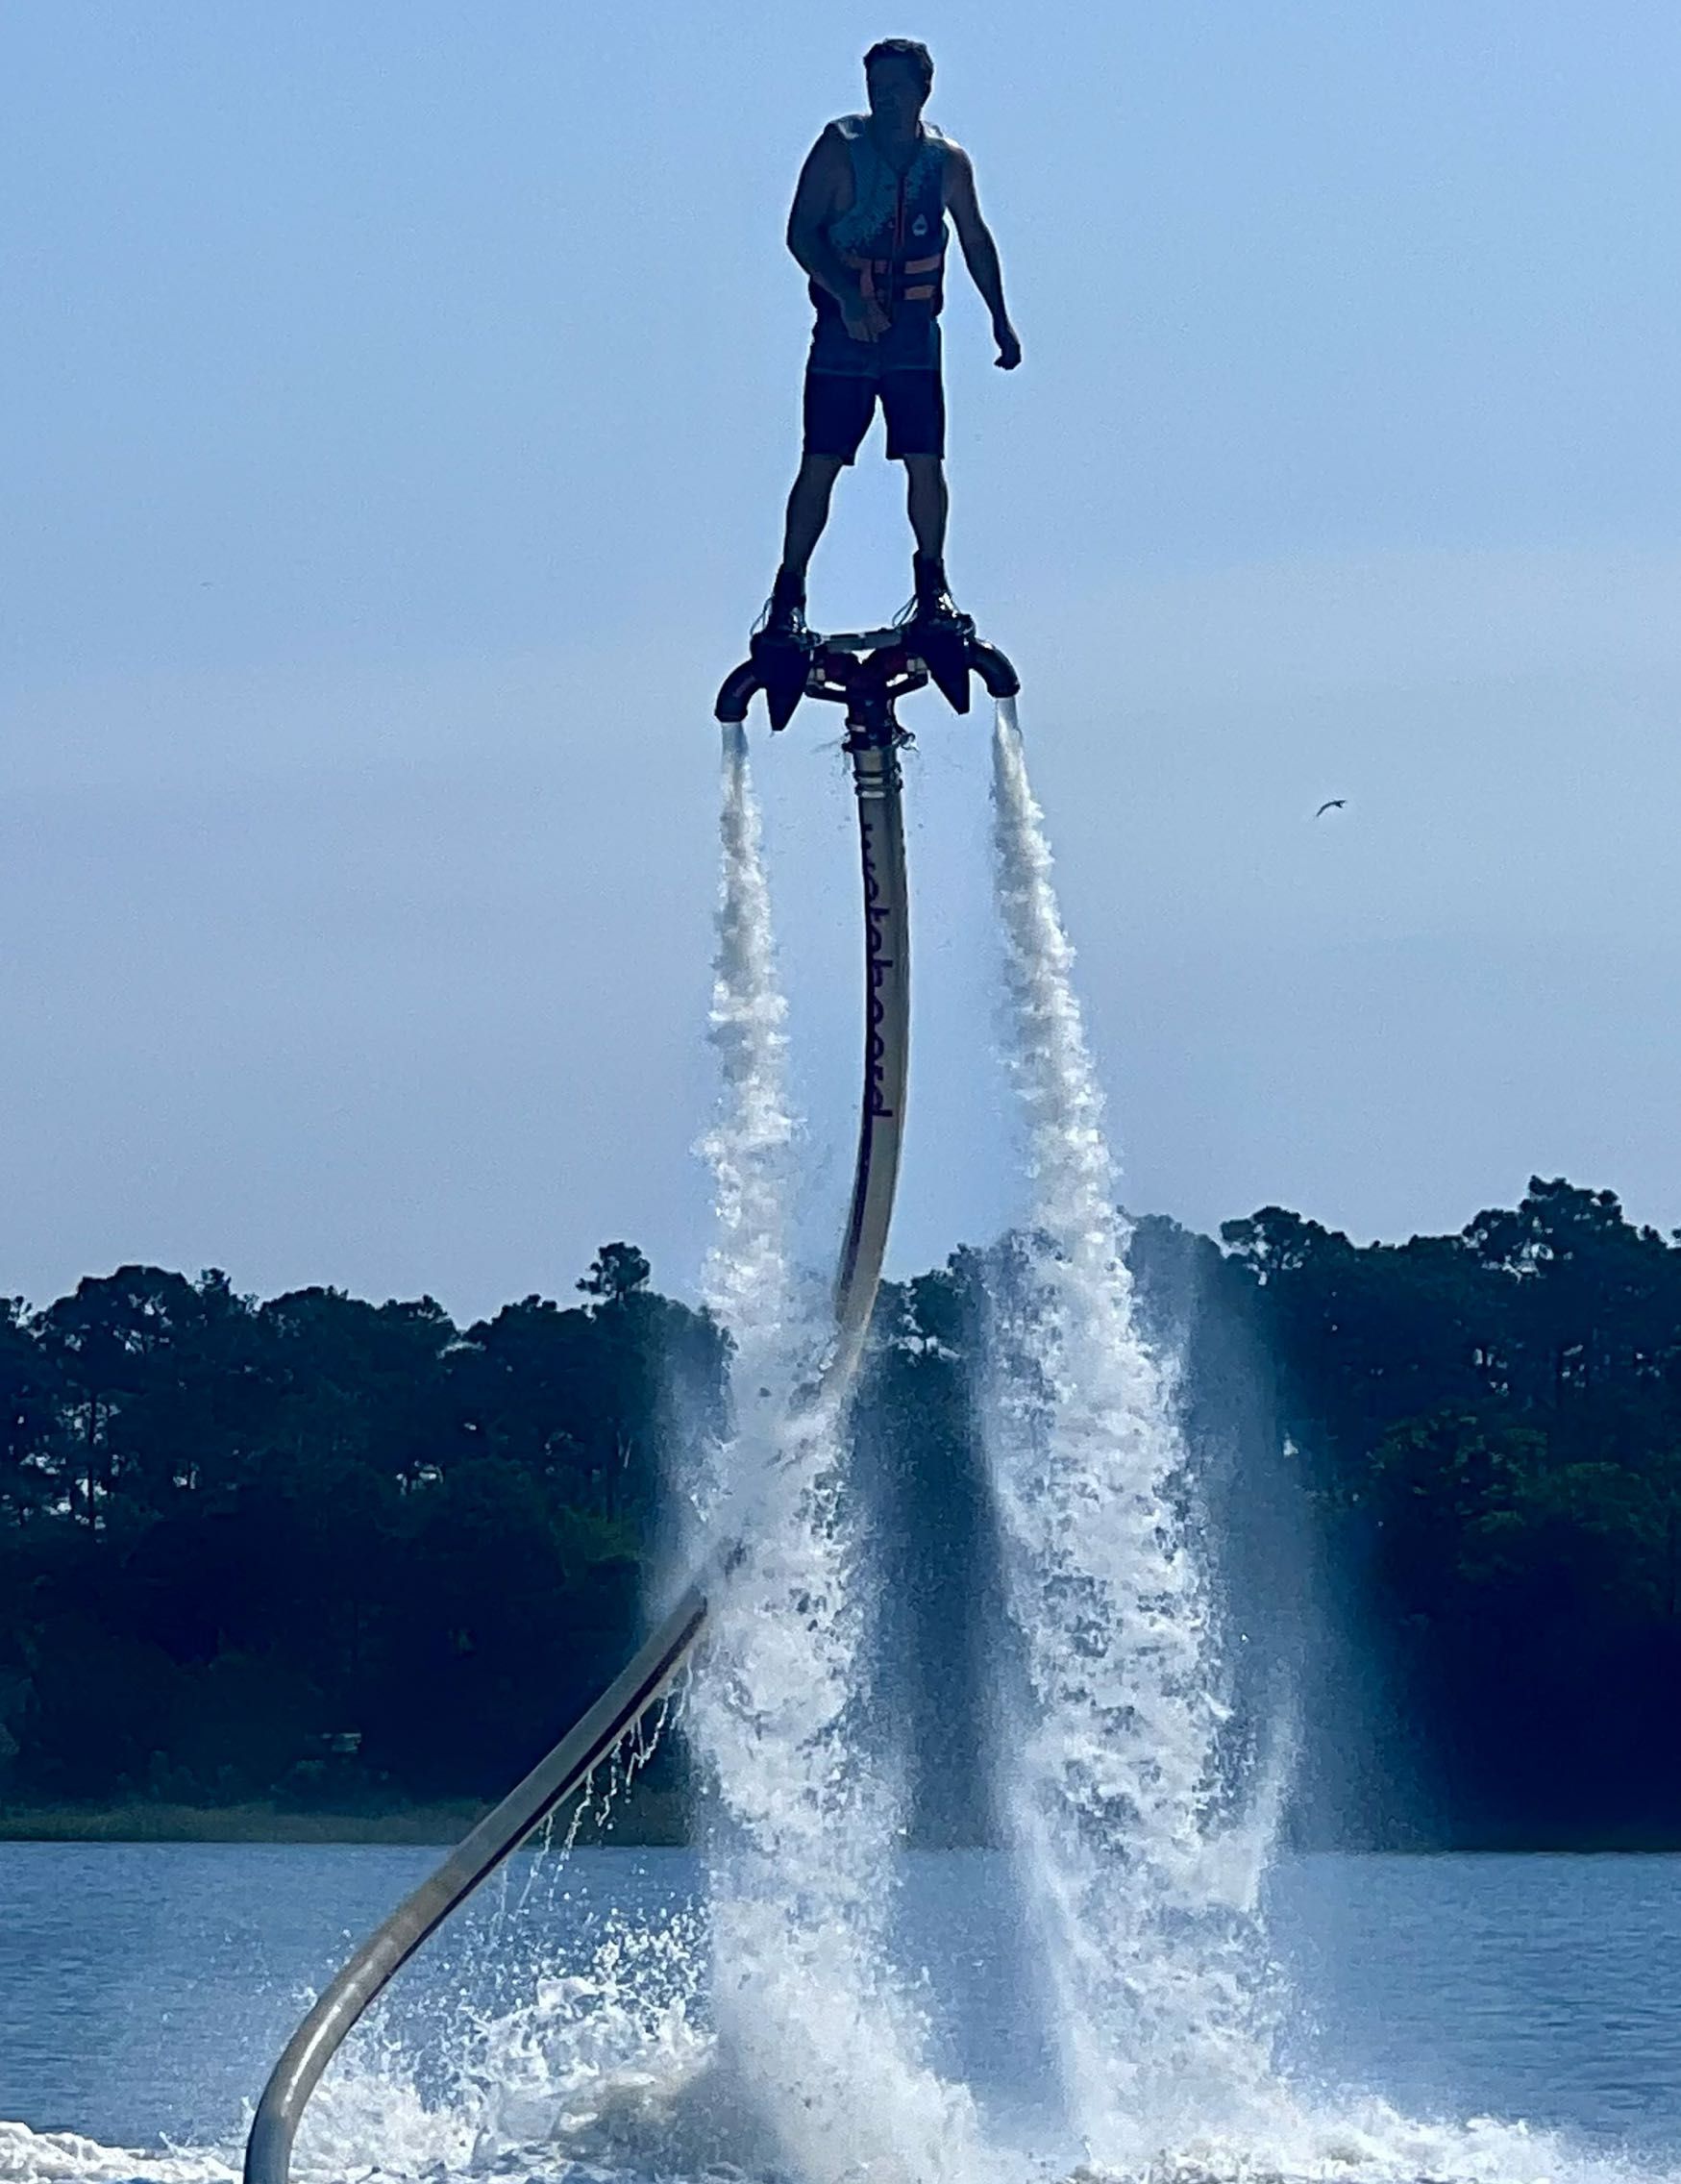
(736, 694)
(997, 675)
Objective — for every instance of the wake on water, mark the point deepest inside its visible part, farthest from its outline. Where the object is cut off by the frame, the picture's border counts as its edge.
(772, 2034)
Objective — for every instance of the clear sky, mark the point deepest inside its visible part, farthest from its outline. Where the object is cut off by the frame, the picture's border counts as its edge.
(397, 405)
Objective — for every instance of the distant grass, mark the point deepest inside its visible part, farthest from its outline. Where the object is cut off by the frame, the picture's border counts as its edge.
(143, 1822)
(644, 1818)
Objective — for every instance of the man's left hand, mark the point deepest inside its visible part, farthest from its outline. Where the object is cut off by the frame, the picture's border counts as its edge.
(1009, 347)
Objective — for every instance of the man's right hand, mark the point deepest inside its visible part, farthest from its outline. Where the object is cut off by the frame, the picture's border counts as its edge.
(863, 317)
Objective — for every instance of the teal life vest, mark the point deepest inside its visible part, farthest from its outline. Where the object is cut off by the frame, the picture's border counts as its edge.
(894, 232)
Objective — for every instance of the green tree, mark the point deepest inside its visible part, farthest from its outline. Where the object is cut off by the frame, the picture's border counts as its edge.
(617, 1271)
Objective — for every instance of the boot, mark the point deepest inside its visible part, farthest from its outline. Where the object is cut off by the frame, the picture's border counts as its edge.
(934, 606)
(783, 622)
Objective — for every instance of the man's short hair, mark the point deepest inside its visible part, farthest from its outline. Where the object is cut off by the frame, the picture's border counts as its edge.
(912, 49)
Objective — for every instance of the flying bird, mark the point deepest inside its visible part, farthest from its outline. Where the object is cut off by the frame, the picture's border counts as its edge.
(1330, 804)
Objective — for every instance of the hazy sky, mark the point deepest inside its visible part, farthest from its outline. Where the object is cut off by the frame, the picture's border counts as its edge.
(399, 403)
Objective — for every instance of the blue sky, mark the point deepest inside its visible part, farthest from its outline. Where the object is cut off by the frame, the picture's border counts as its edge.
(399, 402)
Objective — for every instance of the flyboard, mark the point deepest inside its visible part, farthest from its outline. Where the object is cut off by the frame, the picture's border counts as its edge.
(868, 672)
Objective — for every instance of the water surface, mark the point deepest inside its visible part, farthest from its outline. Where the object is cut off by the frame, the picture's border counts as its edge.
(145, 1990)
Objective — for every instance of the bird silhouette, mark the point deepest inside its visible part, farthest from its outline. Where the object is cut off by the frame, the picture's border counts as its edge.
(1330, 804)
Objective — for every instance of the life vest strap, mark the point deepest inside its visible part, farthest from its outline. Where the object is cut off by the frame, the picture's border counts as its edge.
(888, 281)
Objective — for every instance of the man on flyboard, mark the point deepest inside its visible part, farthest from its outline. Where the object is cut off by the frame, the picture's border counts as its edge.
(869, 227)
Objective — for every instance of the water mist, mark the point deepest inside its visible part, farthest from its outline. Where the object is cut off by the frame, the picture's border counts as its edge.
(1110, 1767)
(815, 2039)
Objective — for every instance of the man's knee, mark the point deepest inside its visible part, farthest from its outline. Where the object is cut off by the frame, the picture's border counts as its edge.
(819, 470)
(924, 469)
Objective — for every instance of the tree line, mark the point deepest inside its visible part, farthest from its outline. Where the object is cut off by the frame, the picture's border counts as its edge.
(319, 1551)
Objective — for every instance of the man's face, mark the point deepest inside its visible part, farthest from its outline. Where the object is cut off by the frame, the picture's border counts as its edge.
(897, 96)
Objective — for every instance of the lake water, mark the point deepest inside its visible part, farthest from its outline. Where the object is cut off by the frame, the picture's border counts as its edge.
(145, 1990)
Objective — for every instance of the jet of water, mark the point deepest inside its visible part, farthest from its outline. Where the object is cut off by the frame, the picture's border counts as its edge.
(1110, 1773)
(814, 2034)
(745, 1282)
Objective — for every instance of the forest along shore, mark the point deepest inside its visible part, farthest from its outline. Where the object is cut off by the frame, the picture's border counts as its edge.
(316, 1569)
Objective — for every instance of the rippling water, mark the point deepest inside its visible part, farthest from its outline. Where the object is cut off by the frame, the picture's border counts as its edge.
(144, 1990)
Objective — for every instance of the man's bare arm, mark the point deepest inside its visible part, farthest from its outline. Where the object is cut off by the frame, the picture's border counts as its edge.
(980, 255)
(816, 201)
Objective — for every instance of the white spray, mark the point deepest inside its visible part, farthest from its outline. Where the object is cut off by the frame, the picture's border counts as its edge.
(746, 1281)
(814, 2037)
(1110, 1776)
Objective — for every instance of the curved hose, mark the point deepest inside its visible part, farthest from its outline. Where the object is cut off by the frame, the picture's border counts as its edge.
(877, 783)
(268, 2151)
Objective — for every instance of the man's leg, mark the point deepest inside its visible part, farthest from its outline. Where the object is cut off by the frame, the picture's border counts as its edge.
(927, 500)
(915, 402)
(837, 409)
(807, 514)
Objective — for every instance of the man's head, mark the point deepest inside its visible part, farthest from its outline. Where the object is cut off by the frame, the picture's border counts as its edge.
(900, 72)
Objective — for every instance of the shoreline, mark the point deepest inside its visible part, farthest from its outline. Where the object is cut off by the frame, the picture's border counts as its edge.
(141, 1822)
(650, 1822)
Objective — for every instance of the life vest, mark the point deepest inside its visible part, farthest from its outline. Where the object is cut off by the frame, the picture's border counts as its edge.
(894, 232)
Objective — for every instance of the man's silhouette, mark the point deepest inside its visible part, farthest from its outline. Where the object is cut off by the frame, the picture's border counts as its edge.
(869, 227)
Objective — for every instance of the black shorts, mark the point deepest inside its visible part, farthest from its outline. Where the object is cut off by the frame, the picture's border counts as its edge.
(840, 405)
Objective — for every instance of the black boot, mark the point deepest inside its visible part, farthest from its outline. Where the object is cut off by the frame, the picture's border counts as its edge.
(934, 606)
(784, 616)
